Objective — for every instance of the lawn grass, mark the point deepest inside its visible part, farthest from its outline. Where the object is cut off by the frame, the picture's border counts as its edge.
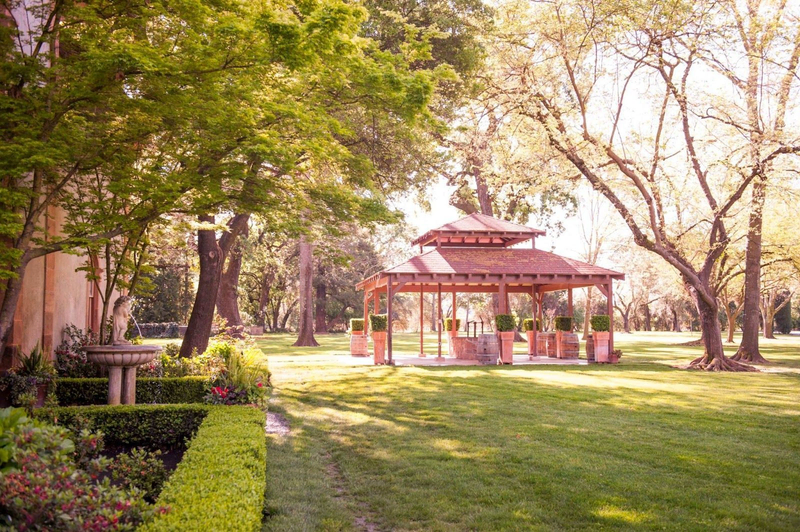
(635, 446)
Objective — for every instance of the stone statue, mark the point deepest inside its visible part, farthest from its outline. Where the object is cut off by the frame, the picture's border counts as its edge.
(122, 313)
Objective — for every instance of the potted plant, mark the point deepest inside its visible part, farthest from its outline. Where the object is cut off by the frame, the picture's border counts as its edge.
(29, 383)
(527, 326)
(614, 356)
(358, 340)
(601, 324)
(379, 323)
(505, 329)
(448, 326)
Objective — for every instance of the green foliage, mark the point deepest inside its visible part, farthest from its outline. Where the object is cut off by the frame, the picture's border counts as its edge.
(504, 322)
(35, 364)
(222, 477)
(783, 318)
(357, 324)
(10, 418)
(49, 491)
(245, 379)
(169, 363)
(140, 469)
(527, 324)
(71, 360)
(378, 322)
(448, 324)
(170, 298)
(563, 323)
(167, 390)
(600, 322)
(150, 426)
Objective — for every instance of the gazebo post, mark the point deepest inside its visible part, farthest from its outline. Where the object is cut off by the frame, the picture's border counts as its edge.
(421, 319)
(389, 318)
(534, 313)
(439, 314)
(569, 302)
(366, 311)
(610, 311)
(503, 300)
(539, 305)
(376, 300)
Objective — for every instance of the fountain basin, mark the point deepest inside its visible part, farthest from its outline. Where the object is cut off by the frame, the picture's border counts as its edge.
(121, 361)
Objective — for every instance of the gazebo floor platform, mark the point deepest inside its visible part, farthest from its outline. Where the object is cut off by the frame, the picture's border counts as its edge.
(403, 359)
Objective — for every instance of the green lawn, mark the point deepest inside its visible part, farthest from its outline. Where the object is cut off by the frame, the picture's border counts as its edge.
(636, 446)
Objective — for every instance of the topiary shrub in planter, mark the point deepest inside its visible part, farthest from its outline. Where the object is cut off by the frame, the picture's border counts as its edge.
(448, 324)
(357, 326)
(527, 324)
(379, 323)
(505, 328)
(504, 322)
(563, 323)
(601, 324)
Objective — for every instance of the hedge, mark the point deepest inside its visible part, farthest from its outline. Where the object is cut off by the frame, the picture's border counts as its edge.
(357, 324)
(448, 324)
(220, 482)
(151, 426)
(157, 330)
(527, 325)
(504, 322)
(378, 322)
(563, 323)
(167, 390)
(600, 323)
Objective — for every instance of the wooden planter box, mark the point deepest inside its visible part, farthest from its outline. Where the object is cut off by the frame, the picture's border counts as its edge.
(567, 344)
(601, 352)
(379, 347)
(506, 347)
(590, 349)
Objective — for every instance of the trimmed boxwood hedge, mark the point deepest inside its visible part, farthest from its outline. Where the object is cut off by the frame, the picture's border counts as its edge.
(151, 426)
(220, 482)
(357, 324)
(448, 324)
(563, 323)
(504, 322)
(168, 390)
(378, 322)
(600, 323)
(527, 324)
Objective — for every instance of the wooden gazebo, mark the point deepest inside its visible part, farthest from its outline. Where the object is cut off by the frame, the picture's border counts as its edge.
(474, 255)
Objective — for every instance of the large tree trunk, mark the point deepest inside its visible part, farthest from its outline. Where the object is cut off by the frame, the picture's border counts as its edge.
(202, 317)
(626, 325)
(731, 326)
(676, 324)
(648, 318)
(228, 295)
(320, 304)
(748, 349)
(713, 358)
(305, 336)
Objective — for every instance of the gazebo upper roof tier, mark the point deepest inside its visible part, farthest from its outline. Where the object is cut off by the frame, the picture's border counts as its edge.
(478, 230)
(480, 267)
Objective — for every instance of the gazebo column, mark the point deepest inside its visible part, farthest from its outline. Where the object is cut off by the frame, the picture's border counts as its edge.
(569, 302)
(389, 319)
(534, 349)
(421, 319)
(610, 312)
(439, 314)
(376, 301)
(366, 311)
(502, 298)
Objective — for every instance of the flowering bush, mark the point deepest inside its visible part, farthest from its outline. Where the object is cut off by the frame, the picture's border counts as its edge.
(45, 490)
(169, 364)
(71, 360)
(243, 378)
(140, 469)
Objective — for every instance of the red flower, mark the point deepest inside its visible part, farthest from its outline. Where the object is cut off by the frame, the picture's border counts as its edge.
(259, 385)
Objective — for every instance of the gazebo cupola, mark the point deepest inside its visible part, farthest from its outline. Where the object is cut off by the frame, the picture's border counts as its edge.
(478, 230)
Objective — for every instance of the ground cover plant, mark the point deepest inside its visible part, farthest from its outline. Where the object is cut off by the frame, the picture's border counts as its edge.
(640, 445)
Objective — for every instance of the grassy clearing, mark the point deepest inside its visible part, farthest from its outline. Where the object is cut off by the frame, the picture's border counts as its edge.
(637, 446)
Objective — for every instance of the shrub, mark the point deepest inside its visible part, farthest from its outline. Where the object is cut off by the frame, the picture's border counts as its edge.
(245, 379)
(148, 390)
(23, 383)
(168, 363)
(140, 469)
(222, 477)
(600, 323)
(150, 426)
(563, 323)
(357, 324)
(527, 324)
(47, 491)
(71, 360)
(157, 330)
(504, 322)
(378, 322)
(448, 324)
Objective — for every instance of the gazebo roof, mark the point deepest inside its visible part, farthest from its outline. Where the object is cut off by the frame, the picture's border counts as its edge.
(478, 230)
(464, 266)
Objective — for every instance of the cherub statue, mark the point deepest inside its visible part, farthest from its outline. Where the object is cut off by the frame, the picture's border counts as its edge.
(122, 313)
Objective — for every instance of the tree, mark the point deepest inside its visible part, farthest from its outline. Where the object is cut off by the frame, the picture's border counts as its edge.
(557, 59)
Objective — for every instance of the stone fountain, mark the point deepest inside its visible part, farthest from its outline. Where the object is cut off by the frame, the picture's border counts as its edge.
(121, 357)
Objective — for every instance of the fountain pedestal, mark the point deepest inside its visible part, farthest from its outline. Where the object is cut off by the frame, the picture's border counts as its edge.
(121, 361)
